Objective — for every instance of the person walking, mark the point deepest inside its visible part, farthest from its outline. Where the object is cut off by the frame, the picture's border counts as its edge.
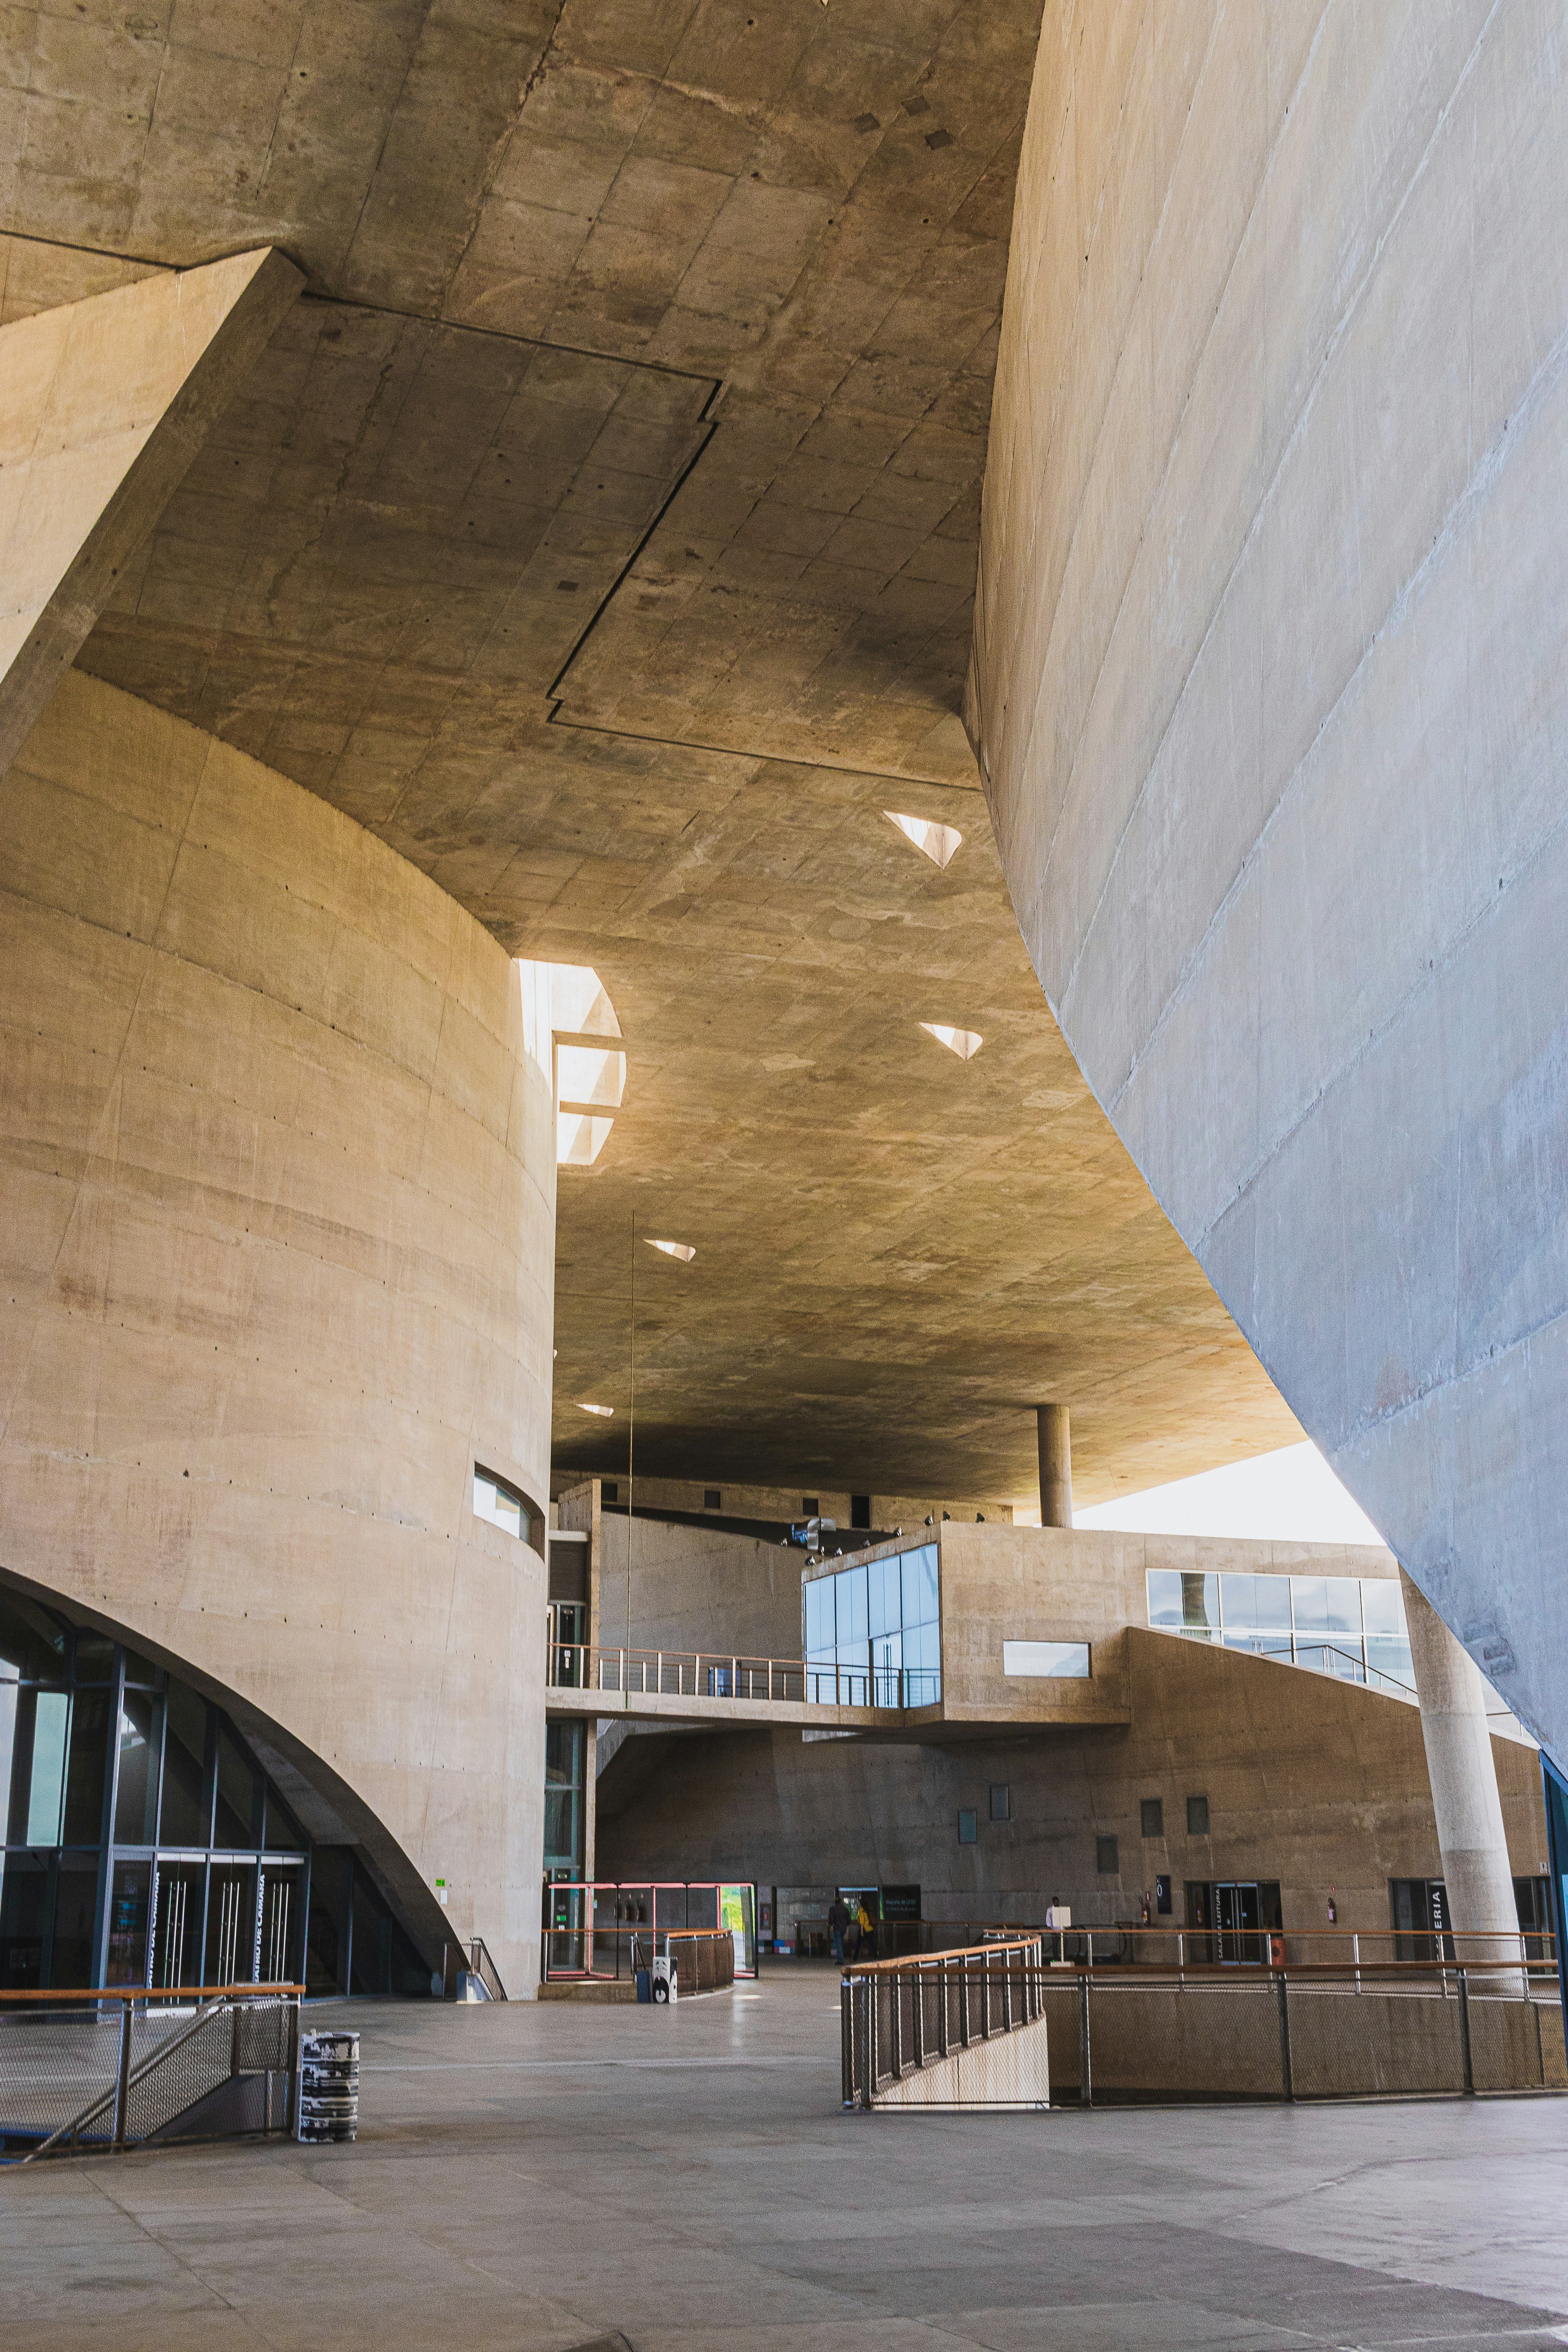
(838, 1920)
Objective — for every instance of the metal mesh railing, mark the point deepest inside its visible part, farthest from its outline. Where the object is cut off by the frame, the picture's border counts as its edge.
(921, 2032)
(1239, 2036)
(112, 2068)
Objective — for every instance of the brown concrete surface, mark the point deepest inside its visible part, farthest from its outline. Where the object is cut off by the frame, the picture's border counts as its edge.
(1269, 690)
(532, 2178)
(106, 401)
(1311, 1782)
(601, 531)
(277, 1168)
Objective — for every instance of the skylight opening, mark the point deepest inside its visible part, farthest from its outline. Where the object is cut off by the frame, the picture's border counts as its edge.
(682, 1250)
(937, 842)
(603, 1412)
(964, 1042)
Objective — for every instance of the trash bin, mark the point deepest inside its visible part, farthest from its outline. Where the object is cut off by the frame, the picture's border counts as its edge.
(644, 1984)
(328, 2104)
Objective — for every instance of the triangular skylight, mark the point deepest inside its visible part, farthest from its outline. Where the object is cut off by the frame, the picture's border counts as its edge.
(964, 1042)
(682, 1250)
(937, 842)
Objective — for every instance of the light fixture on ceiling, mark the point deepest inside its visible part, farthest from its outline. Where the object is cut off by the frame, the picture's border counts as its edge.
(682, 1250)
(938, 842)
(964, 1042)
(603, 1410)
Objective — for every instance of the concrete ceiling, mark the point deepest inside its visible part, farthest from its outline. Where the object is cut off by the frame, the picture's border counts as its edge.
(601, 531)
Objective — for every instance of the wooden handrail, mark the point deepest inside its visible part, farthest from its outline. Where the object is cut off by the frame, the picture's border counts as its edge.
(154, 1992)
(957, 1952)
(1221, 1972)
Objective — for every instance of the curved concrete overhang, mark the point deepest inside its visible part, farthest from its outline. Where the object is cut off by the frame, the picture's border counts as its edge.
(599, 529)
(1270, 696)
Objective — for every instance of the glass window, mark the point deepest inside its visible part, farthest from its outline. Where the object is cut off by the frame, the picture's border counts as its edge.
(1382, 1605)
(1326, 1604)
(1001, 1801)
(32, 1646)
(327, 1942)
(1107, 1856)
(885, 1604)
(564, 1765)
(239, 1812)
(136, 1788)
(852, 1611)
(87, 1768)
(1254, 1603)
(1024, 1660)
(284, 1835)
(143, 1672)
(1197, 1817)
(1388, 1657)
(1184, 1600)
(94, 1656)
(502, 1505)
(968, 1831)
(46, 1777)
(819, 1633)
(73, 1946)
(230, 1956)
(187, 1801)
(24, 1890)
(1151, 1816)
(128, 1901)
(920, 1588)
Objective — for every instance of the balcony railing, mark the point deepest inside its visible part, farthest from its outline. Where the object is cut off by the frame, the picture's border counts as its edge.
(708, 1674)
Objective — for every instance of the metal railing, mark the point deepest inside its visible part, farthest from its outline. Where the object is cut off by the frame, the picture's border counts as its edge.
(901, 2018)
(592, 1930)
(1357, 1950)
(713, 1673)
(704, 1957)
(481, 1966)
(1299, 1649)
(112, 2068)
(1215, 2034)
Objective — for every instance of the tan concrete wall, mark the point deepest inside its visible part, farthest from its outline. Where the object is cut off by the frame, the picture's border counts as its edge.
(1317, 1783)
(276, 1184)
(1269, 692)
(699, 1589)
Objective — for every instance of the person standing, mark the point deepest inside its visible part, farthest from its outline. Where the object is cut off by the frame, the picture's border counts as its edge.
(838, 1920)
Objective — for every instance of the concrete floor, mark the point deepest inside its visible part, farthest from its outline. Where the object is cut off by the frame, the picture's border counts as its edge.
(538, 2176)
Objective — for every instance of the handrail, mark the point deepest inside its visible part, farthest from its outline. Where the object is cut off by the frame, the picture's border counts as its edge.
(129, 2078)
(152, 1992)
(654, 1673)
(954, 1952)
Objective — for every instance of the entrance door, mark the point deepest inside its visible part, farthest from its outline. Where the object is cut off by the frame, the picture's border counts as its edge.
(177, 1923)
(1236, 1918)
(280, 1892)
(232, 1938)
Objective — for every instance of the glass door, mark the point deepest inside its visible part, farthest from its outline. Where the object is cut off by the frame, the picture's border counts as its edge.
(178, 1922)
(1238, 1918)
(281, 1888)
(232, 1932)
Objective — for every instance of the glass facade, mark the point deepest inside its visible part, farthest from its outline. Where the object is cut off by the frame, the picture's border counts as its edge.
(872, 1635)
(1345, 1626)
(145, 1844)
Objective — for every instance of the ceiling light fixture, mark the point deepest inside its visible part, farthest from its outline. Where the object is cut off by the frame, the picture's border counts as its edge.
(682, 1250)
(938, 842)
(964, 1042)
(603, 1410)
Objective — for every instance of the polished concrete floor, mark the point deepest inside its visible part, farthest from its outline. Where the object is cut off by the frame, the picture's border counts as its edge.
(543, 2176)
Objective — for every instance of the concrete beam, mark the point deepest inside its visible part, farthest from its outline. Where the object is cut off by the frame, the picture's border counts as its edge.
(103, 404)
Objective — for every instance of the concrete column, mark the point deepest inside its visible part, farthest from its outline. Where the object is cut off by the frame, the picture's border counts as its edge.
(1463, 1774)
(1056, 1465)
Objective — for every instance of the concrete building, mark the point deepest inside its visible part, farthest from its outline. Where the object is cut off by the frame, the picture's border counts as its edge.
(558, 957)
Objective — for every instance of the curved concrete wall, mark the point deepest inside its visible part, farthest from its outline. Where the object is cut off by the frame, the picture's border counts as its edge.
(276, 1211)
(1269, 693)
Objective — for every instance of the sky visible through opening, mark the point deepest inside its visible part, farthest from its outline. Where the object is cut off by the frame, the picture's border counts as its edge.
(1291, 1495)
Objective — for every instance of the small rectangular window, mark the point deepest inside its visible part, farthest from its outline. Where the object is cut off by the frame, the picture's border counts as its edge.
(1107, 1861)
(1001, 1801)
(1152, 1815)
(1197, 1817)
(1023, 1661)
(810, 1506)
(712, 1499)
(967, 1832)
(610, 1490)
(860, 1510)
(500, 1504)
